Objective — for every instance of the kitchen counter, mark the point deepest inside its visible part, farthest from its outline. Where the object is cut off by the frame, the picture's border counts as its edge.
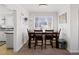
(9, 32)
(6, 29)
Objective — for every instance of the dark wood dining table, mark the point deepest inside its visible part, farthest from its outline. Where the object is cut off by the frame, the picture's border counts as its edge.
(43, 33)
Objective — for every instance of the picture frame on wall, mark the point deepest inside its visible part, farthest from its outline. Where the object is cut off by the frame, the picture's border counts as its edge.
(63, 18)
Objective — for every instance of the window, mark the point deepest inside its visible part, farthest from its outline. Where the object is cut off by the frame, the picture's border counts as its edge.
(43, 22)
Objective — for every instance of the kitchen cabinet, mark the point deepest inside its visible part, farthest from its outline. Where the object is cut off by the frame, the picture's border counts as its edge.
(9, 39)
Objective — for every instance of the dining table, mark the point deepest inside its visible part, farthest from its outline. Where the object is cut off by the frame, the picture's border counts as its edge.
(56, 36)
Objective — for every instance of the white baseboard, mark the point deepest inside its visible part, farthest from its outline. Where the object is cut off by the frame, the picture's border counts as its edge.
(25, 42)
(73, 51)
(21, 46)
(18, 49)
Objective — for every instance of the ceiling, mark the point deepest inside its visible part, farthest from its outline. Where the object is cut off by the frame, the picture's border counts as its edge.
(37, 8)
(49, 8)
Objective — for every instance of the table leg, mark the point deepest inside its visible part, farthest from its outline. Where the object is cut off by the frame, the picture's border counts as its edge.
(57, 44)
(29, 43)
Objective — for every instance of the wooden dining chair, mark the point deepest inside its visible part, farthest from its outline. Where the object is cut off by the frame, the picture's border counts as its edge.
(55, 37)
(48, 37)
(58, 34)
(31, 36)
(38, 38)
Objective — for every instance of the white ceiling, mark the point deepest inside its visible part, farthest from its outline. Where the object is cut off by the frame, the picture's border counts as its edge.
(49, 8)
(5, 10)
(37, 8)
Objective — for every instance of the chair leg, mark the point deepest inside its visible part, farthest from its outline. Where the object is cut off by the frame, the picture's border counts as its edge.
(45, 43)
(51, 43)
(35, 44)
(42, 45)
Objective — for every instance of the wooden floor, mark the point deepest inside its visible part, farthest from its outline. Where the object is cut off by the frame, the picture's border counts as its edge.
(26, 51)
(48, 51)
(5, 51)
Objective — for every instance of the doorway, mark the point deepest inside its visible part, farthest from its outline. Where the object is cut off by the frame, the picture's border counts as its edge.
(7, 18)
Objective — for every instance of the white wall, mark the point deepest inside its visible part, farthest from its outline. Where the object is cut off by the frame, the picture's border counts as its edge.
(8, 14)
(33, 14)
(25, 25)
(71, 27)
(74, 28)
(78, 29)
(65, 28)
(20, 29)
(9, 22)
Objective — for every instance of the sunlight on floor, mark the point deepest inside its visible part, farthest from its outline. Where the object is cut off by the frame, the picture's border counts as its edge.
(5, 51)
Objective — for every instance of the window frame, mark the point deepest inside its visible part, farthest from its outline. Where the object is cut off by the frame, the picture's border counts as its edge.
(47, 22)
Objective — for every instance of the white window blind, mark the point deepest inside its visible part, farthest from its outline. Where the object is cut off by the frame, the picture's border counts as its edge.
(43, 22)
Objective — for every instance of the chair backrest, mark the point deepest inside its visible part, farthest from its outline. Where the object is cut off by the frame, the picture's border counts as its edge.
(49, 31)
(59, 31)
(28, 31)
(30, 35)
(38, 32)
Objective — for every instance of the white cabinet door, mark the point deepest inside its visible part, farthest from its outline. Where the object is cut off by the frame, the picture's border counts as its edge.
(9, 41)
(2, 36)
